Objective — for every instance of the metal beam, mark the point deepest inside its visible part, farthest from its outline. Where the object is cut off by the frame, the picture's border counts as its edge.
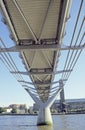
(43, 88)
(41, 83)
(34, 97)
(31, 89)
(25, 19)
(52, 47)
(26, 86)
(47, 60)
(46, 14)
(37, 72)
(53, 91)
(2, 5)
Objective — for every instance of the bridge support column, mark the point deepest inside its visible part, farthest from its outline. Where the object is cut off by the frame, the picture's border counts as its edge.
(44, 116)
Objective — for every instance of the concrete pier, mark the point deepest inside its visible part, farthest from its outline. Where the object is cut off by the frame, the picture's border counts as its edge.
(44, 116)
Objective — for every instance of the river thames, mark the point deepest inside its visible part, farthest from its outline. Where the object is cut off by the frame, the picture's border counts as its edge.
(60, 122)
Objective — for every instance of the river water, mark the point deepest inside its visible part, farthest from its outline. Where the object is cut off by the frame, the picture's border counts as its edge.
(60, 122)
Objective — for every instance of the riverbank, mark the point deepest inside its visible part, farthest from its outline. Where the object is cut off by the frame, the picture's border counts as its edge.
(27, 114)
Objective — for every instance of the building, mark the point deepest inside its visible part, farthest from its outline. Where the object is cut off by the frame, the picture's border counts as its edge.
(76, 105)
(20, 108)
(71, 105)
(8, 110)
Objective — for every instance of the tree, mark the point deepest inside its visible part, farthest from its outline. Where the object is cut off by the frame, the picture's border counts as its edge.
(2, 110)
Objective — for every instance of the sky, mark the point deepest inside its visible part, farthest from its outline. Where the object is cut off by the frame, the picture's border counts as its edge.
(11, 92)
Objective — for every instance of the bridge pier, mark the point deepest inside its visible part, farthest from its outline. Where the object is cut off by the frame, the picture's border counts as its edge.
(44, 116)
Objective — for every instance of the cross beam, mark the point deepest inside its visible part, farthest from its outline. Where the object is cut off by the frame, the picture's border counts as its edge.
(36, 47)
(39, 72)
(40, 83)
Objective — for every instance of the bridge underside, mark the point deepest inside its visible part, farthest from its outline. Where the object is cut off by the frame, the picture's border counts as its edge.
(38, 23)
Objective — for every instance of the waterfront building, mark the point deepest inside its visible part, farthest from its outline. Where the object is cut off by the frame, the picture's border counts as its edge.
(20, 108)
(71, 105)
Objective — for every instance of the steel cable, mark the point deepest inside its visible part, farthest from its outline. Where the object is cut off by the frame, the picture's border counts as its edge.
(74, 31)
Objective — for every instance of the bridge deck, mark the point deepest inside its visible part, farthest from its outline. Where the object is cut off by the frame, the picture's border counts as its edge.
(37, 22)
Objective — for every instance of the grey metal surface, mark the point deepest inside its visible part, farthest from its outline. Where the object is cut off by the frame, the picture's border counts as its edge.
(37, 22)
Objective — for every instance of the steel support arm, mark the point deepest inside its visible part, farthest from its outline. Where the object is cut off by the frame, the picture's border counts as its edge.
(52, 98)
(40, 83)
(41, 73)
(36, 47)
(36, 99)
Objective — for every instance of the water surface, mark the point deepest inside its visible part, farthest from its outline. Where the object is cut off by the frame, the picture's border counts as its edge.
(60, 122)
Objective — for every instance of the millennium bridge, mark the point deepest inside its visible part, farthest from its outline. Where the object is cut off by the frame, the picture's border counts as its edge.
(37, 28)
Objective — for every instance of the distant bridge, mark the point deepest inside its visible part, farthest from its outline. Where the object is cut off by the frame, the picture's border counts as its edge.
(37, 28)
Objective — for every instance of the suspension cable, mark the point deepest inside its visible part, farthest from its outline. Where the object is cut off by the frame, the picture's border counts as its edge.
(74, 31)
